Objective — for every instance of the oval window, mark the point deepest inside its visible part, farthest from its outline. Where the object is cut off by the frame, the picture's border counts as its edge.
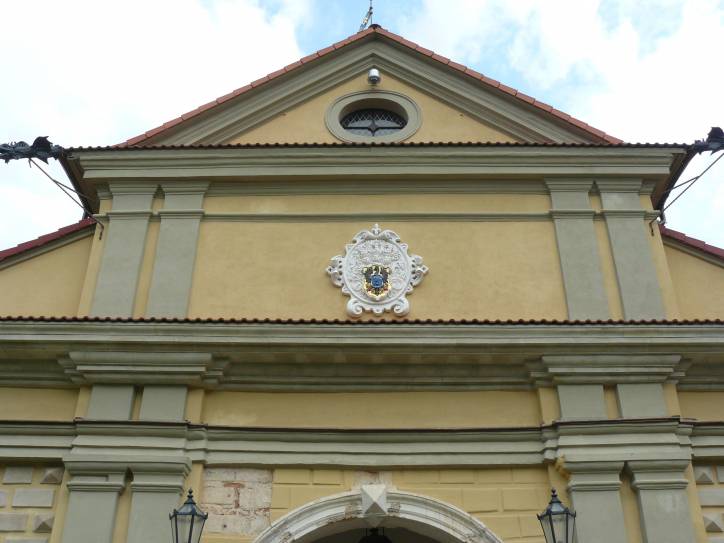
(373, 117)
(373, 122)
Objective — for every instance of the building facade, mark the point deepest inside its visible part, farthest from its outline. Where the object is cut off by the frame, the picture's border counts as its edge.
(333, 300)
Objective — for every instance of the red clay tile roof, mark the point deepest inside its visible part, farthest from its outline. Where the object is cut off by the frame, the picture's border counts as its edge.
(702, 246)
(151, 147)
(379, 31)
(334, 322)
(47, 238)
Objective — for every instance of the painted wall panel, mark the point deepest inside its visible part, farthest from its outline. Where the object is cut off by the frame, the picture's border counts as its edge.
(305, 122)
(373, 409)
(698, 284)
(49, 284)
(494, 270)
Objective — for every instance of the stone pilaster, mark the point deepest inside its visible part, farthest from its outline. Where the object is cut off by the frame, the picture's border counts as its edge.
(176, 249)
(125, 242)
(594, 488)
(94, 490)
(663, 501)
(638, 281)
(156, 489)
(578, 248)
(163, 402)
(110, 402)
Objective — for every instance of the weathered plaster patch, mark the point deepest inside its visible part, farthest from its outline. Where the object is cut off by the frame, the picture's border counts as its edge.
(237, 500)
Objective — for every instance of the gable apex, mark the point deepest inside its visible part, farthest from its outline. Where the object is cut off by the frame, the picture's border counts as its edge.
(584, 133)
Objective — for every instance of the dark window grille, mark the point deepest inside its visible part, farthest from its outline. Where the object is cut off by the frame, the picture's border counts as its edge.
(373, 122)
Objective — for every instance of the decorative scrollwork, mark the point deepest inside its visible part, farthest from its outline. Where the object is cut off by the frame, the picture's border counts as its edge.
(377, 273)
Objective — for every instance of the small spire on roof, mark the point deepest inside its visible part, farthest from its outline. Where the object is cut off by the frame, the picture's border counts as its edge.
(367, 19)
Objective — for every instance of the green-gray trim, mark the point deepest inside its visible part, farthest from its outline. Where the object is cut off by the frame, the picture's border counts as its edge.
(594, 489)
(123, 248)
(263, 356)
(663, 500)
(578, 248)
(132, 443)
(112, 402)
(176, 249)
(360, 162)
(638, 282)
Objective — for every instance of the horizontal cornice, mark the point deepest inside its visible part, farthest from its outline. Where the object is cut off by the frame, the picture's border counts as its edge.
(309, 356)
(165, 446)
(366, 162)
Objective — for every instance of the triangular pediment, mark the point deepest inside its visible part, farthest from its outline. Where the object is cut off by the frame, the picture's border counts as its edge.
(293, 105)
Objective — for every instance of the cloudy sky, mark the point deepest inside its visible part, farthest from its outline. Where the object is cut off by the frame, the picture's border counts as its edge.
(97, 72)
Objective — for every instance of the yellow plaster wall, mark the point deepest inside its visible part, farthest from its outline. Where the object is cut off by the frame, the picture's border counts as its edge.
(37, 404)
(696, 510)
(608, 270)
(702, 405)
(697, 283)
(505, 499)
(9, 491)
(388, 203)
(631, 516)
(305, 122)
(49, 284)
(123, 515)
(373, 409)
(146, 272)
(94, 264)
(671, 397)
(61, 508)
(671, 306)
(494, 270)
(550, 407)
(611, 400)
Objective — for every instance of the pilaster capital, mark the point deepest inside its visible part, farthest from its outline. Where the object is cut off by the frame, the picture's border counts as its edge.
(181, 213)
(594, 476)
(572, 214)
(625, 213)
(605, 369)
(163, 476)
(568, 184)
(184, 195)
(184, 187)
(95, 474)
(658, 474)
(619, 185)
(129, 196)
(125, 215)
(123, 367)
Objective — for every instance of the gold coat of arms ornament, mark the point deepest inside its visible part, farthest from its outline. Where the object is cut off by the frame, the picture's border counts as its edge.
(377, 273)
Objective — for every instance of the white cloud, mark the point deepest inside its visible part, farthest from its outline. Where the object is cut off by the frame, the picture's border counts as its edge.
(91, 72)
(640, 70)
(98, 72)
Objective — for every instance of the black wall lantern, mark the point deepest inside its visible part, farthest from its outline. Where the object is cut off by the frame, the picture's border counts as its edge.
(187, 522)
(557, 521)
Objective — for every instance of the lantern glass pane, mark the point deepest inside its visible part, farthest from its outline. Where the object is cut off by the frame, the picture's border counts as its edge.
(571, 528)
(545, 522)
(174, 529)
(197, 528)
(560, 527)
(183, 528)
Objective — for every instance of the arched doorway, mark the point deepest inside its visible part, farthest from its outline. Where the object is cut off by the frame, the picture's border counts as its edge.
(405, 517)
